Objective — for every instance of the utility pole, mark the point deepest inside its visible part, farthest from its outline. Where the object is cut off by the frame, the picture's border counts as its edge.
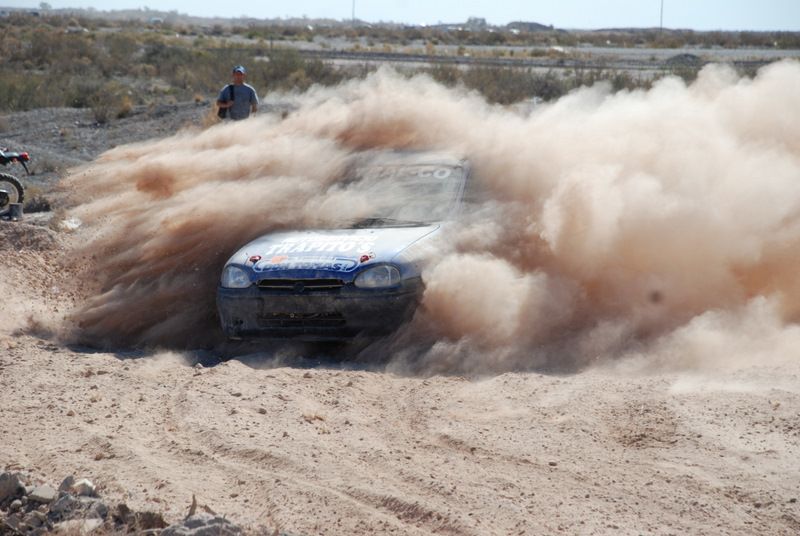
(354, 12)
(661, 20)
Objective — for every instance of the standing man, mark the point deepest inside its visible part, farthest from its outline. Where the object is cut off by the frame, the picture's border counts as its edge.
(238, 99)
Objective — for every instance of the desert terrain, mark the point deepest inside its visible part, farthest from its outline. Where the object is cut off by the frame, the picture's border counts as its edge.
(610, 401)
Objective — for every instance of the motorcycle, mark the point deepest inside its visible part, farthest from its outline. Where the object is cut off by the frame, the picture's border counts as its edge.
(11, 189)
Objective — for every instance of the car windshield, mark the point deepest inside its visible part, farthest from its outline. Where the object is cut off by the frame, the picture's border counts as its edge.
(408, 194)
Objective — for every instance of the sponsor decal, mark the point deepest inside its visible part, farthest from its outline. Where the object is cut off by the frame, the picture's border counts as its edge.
(333, 264)
(400, 172)
(321, 244)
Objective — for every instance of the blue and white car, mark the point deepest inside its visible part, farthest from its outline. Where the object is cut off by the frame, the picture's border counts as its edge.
(338, 283)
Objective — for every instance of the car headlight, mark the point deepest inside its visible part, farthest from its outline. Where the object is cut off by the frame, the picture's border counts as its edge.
(382, 276)
(234, 277)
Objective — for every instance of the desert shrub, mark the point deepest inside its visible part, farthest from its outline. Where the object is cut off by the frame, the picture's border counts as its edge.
(60, 51)
(44, 163)
(549, 86)
(125, 106)
(19, 91)
(121, 48)
(507, 85)
(299, 80)
(78, 92)
(323, 73)
(287, 69)
(143, 70)
(282, 63)
(166, 58)
(623, 80)
(356, 71)
(11, 47)
(687, 72)
(109, 101)
(448, 75)
(618, 80)
(785, 40)
(37, 201)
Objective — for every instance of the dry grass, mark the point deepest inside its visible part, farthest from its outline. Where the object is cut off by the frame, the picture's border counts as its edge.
(45, 64)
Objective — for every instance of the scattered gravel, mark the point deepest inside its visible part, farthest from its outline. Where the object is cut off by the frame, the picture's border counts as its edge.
(76, 507)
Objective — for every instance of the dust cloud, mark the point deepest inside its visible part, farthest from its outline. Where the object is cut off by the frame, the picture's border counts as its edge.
(650, 229)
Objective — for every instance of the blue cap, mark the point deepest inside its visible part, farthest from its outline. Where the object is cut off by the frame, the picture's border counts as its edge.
(239, 69)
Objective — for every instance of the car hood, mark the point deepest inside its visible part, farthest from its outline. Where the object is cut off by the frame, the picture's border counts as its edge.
(341, 250)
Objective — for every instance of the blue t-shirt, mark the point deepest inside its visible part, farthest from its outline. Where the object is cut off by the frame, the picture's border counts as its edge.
(243, 97)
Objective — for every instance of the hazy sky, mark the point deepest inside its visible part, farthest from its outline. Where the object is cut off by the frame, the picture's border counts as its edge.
(694, 14)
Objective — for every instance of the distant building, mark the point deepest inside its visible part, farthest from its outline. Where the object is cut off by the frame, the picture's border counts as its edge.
(473, 24)
(476, 24)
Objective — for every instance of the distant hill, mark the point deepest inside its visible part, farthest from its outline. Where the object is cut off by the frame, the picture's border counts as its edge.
(529, 26)
(155, 16)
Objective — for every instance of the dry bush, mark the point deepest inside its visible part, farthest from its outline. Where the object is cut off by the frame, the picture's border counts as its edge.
(19, 91)
(36, 200)
(448, 75)
(109, 102)
(44, 163)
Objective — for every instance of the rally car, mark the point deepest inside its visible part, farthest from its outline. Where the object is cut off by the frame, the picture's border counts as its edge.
(365, 278)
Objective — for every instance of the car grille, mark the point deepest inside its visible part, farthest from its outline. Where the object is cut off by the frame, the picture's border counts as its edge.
(300, 285)
(301, 320)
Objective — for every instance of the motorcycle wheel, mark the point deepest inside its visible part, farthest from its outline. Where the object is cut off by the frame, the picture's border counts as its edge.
(14, 189)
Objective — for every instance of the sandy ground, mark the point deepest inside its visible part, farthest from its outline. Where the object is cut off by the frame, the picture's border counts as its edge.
(320, 447)
(312, 446)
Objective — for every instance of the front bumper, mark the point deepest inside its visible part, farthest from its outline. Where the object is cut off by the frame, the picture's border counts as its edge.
(319, 315)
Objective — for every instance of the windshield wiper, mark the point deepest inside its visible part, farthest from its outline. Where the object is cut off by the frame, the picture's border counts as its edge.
(386, 222)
